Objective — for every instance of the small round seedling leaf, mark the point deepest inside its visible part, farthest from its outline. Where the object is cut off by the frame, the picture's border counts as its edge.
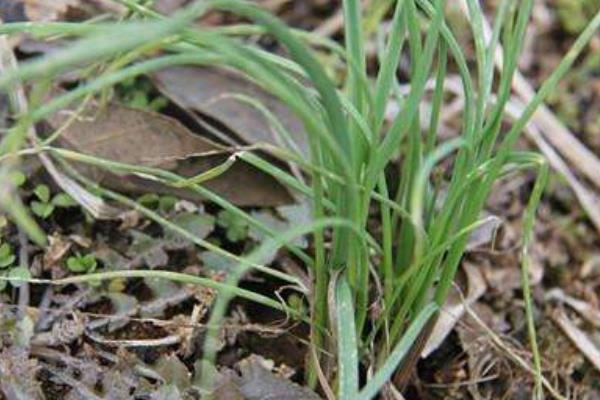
(217, 262)
(18, 178)
(149, 200)
(86, 263)
(198, 225)
(43, 193)
(42, 210)
(18, 276)
(236, 227)
(63, 200)
(7, 257)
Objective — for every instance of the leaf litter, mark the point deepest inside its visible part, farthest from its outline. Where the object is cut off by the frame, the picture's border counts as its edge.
(483, 365)
(138, 137)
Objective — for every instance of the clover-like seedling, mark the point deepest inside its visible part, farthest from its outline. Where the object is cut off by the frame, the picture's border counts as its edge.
(154, 201)
(7, 257)
(16, 274)
(80, 264)
(45, 205)
(235, 227)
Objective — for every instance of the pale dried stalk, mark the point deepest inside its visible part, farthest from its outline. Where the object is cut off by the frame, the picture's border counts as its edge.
(93, 204)
(550, 127)
(578, 338)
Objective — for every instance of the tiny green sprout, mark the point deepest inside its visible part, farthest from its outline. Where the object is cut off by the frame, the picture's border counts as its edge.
(18, 178)
(45, 205)
(137, 93)
(7, 257)
(236, 228)
(154, 201)
(167, 203)
(18, 276)
(297, 303)
(149, 200)
(8, 270)
(79, 263)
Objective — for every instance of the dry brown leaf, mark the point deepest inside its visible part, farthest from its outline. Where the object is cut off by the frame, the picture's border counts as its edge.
(12, 11)
(257, 382)
(47, 11)
(455, 308)
(144, 138)
(169, 6)
(586, 310)
(210, 92)
(18, 374)
(485, 233)
(578, 337)
(54, 254)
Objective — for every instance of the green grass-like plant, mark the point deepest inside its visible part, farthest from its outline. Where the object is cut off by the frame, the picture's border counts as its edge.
(406, 271)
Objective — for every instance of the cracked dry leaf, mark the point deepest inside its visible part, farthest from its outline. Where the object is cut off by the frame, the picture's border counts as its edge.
(225, 96)
(173, 371)
(18, 374)
(455, 307)
(579, 338)
(199, 225)
(258, 383)
(133, 136)
(147, 250)
(47, 11)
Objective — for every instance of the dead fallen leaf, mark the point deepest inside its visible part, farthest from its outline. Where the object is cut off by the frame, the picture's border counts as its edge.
(59, 247)
(455, 308)
(47, 11)
(214, 93)
(167, 392)
(586, 310)
(257, 382)
(485, 362)
(167, 7)
(173, 371)
(12, 11)
(578, 337)
(18, 374)
(144, 138)
(55, 10)
(486, 232)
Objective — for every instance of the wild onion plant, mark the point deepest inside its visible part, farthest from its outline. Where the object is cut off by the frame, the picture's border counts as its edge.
(403, 273)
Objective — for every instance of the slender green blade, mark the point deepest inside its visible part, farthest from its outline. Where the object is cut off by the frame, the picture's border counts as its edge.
(382, 376)
(346, 340)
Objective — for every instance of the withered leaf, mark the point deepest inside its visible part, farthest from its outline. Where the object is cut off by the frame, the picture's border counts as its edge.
(144, 138)
(18, 374)
(45, 11)
(211, 93)
(12, 11)
(34, 10)
(258, 383)
(173, 371)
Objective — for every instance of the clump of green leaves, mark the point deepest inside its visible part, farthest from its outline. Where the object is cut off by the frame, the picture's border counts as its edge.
(236, 228)
(45, 203)
(574, 15)
(82, 263)
(424, 224)
(137, 93)
(7, 258)
(8, 269)
(163, 203)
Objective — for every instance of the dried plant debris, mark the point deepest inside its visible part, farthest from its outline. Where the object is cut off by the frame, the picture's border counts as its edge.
(35, 10)
(143, 138)
(250, 113)
(256, 381)
(18, 374)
